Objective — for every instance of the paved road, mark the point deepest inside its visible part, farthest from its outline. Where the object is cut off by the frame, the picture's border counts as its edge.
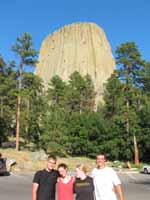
(15, 187)
(136, 186)
(18, 186)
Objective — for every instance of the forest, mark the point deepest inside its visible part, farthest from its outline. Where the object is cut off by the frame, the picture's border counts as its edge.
(63, 119)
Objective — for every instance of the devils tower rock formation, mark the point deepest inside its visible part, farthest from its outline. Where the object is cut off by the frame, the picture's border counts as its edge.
(81, 47)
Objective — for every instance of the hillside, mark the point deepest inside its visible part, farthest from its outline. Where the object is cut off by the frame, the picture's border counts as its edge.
(31, 161)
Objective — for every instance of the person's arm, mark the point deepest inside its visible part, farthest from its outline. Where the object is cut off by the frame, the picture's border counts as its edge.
(34, 191)
(119, 192)
(117, 184)
(93, 188)
(74, 189)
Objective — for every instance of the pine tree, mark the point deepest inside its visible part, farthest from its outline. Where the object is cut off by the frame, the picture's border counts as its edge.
(130, 65)
(7, 99)
(26, 57)
(32, 106)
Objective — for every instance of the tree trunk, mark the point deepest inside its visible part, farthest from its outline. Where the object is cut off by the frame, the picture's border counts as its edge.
(136, 151)
(18, 122)
(1, 107)
(18, 108)
(27, 123)
(127, 118)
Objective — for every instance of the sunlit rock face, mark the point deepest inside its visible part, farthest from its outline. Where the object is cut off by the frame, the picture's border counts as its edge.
(81, 47)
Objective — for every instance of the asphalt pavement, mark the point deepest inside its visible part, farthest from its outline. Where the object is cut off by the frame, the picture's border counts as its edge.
(18, 186)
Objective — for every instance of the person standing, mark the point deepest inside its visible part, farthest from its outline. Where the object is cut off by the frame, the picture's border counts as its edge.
(106, 181)
(64, 183)
(83, 185)
(44, 181)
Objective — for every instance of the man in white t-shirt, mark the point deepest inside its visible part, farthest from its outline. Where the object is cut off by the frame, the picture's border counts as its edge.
(106, 181)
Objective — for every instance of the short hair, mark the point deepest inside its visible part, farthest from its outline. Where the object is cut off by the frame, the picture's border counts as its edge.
(101, 154)
(82, 168)
(52, 157)
(63, 165)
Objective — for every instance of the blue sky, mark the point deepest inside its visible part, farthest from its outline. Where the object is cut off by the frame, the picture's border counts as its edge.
(122, 21)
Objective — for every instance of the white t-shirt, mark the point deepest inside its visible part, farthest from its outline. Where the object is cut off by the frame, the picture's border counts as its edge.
(104, 181)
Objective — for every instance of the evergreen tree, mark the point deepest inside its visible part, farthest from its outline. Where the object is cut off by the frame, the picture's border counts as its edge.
(7, 99)
(130, 65)
(64, 102)
(144, 114)
(144, 80)
(87, 134)
(26, 57)
(53, 130)
(53, 119)
(56, 91)
(80, 93)
(32, 107)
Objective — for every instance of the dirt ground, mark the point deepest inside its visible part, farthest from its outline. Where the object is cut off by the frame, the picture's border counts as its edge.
(25, 161)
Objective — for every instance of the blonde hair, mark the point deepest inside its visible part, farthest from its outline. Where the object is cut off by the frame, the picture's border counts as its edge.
(82, 168)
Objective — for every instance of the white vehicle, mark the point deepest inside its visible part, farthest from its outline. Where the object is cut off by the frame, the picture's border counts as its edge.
(146, 169)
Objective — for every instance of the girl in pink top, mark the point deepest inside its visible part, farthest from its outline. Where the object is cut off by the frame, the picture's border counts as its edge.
(64, 183)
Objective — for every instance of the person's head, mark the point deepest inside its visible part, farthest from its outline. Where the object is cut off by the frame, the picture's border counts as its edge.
(62, 169)
(51, 162)
(100, 160)
(81, 170)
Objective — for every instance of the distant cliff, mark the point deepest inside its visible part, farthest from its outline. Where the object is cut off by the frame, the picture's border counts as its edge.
(81, 47)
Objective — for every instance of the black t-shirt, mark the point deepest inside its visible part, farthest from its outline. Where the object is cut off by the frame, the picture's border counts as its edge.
(47, 182)
(84, 189)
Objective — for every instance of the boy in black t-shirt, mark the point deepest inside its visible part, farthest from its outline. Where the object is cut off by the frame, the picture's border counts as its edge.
(44, 181)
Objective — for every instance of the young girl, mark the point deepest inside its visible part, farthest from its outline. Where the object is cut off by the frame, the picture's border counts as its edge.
(64, 183)
(83, 186)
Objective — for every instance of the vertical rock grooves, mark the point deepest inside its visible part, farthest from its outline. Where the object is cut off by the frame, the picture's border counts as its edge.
(93, 50)
(79, 47)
